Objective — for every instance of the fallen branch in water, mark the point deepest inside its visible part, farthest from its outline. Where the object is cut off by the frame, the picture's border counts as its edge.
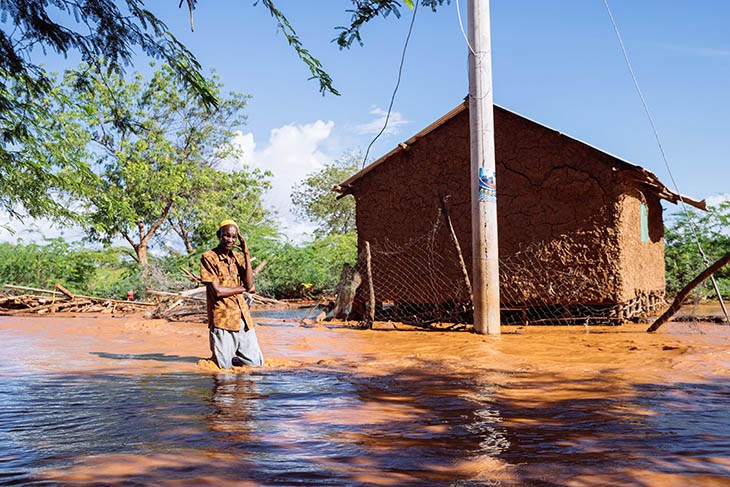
(677, 303)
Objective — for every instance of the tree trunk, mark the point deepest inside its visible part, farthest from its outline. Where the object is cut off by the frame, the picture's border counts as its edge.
(349, 281)
(141, 252)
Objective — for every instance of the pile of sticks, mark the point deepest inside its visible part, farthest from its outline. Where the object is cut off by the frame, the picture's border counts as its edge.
(183, 306)
(190, 305)
(60, 299)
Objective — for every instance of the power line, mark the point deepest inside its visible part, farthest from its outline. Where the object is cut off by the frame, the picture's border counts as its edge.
(397, 85)
(692, 226)
(461, 25)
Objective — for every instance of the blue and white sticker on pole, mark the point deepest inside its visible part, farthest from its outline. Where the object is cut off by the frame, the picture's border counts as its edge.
(487, 185)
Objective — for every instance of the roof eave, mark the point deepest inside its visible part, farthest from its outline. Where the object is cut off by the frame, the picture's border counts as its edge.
(642, 175)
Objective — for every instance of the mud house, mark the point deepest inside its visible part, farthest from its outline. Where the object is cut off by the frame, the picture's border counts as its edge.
(580, 230)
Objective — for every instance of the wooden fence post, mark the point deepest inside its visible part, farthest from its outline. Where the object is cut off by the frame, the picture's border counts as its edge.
(455, 241)
(371, 287)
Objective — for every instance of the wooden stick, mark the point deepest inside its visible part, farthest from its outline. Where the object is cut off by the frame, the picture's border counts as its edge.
(677, 303)
(258, 268)
(455, 241)
(371, 287)
(262, 299)
(24, 288)
(174, 295)
(63, 290)
(95, 298)
(53, 307)
(183, 295)
(190, 275)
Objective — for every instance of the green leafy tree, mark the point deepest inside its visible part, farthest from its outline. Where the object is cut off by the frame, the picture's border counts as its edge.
(303, 270)
(152, 145)
(314, 200)
(683, 259)
(108, 35)
(365, 11)
(47, 163)
(219, 196)
(105, 33)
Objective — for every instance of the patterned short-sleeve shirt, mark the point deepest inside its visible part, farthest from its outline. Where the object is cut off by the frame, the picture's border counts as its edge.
(225, 312)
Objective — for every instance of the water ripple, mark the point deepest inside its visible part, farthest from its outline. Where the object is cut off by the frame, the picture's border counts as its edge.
(314, 427)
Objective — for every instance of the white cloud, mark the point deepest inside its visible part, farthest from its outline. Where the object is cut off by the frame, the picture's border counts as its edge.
(292, 152)
(717, 199)
(395, 121)
(702, 51)
(35, 230)
(247, 145)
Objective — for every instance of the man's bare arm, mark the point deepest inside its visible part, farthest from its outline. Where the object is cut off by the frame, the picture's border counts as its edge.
(223, 291)
(247, 279)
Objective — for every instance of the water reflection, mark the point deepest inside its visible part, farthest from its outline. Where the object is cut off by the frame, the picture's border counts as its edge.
(287, 315)
(305, 427)
(420, 424)
(603, 431)
(161, 357)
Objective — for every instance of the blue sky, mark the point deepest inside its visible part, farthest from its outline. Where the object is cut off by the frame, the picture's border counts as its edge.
(556, 62)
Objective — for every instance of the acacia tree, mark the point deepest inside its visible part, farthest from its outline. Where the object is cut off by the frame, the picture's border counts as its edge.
(35, 173)
(219, 196)
(151, 145)
(103, 32)
(314, 200)
(108, 34)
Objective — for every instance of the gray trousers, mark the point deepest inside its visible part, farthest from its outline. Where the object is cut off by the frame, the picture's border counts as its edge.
(231, 348)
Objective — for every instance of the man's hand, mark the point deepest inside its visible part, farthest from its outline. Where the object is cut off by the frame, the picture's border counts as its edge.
(242, 244)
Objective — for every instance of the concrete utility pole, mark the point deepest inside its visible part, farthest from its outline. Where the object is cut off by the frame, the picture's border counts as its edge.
(485, 256)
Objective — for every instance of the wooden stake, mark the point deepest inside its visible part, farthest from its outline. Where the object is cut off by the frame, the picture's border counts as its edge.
(371, 287)
(455, 241)
(677, 303)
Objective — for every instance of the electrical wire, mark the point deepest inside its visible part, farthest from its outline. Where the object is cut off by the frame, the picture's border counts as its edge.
(690, 220)
(397, 85)
(461, 24)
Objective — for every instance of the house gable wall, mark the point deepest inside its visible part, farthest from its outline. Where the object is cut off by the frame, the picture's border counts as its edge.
(556, 197)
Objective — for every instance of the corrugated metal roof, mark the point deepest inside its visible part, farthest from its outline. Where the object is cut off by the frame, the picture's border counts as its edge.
(638, 173)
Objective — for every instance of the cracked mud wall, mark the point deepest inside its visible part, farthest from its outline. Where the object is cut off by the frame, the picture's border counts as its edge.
(642, 260)
(554, 194)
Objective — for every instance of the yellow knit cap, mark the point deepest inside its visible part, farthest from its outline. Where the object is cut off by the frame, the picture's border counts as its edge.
(225, 223)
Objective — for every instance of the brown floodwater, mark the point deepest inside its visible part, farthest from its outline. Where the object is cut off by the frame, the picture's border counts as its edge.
(100, 400)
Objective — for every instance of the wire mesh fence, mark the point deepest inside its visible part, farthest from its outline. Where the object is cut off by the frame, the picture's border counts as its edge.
(422, 282)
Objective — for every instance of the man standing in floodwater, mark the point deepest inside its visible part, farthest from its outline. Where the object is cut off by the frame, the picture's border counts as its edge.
(227, 275)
